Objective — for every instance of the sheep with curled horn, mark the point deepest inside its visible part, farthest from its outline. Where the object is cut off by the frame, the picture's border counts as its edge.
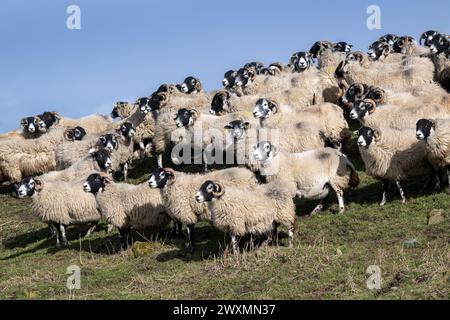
(60, 204)
(392, 155)
(270, 205)
(126, 206)
(178, 193)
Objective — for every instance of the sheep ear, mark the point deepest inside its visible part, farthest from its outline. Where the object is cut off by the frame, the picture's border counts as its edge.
(386, 50)
(372, 107)
(228, 127)
(56, 115)
(23, 122)
(273, 106)
(93, 152)
(433, 123)
(274, 151)
(247, 125)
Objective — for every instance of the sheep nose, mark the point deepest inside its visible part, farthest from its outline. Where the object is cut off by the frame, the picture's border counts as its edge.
(225, 82)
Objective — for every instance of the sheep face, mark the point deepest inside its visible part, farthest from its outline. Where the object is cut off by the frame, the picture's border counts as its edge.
(354, 92)
(30, 124)
(185, 117)
(208, 191)
(318, 47)
(109, 141)
(103, 158)
(439, 44)
(238, 128)
(160, 177)
(47, 120)
(75, 134)
(424, 128)
(264, 150)
(342, 47)
(402, 43)
(191, 85)
(95, 183)
(301, 61)
(229, 79)
(220, 103)
(362, 108)
(366, 136)
(127, 130)
(427, 37)
(389, 39)
(264, 108)
(378, 50)
(257, 66)
(245, 76)
(26, 188)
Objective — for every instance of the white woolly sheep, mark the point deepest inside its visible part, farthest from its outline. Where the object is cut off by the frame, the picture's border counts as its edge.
(60, 204)
(240, 211)
(309, 174)
(178, 193)
(392, 155)
(127, 206)
(436, 134)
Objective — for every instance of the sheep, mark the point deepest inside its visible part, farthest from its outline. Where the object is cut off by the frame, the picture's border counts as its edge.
(60, 203)
(356, 91)
(442, 68)
(320, 46)
(126, 206)
(392, 155)
(436, 134)
(92, 124)
(309, 174)
(191, 85)
(240, 211)
(229, 79)
(394, 116)
(24, 158)
(178, 193)
(119, 143)
(327, 116)
(99, 160)
(401, 74)
(123, 110)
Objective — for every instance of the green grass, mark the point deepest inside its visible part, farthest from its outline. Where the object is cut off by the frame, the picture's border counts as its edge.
(328, 261)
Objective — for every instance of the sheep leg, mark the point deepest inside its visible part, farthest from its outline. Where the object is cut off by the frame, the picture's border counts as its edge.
(448, 176)
(91, 229)
(62, 230)
(274, 236)
(56, 228)
(190, 237)
(177, 227)
(159, 160)
(234, 244)
(109, 228)
(291, 236)
(317, 208)
(385, 190)
(125, 238)
(400, 190)
(439, 181)
(125, 171)
(340, 197)
(205, 164)
(53, 229)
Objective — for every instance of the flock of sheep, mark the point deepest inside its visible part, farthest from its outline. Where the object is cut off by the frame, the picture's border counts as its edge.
(293, 116)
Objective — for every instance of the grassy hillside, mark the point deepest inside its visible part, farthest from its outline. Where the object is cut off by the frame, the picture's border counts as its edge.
(329, 258)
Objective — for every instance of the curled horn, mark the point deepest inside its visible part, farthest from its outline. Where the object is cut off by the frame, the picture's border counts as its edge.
(23, 122)
(172, 173)
(198, 85)
(106, 177)
(194, 113)
(372, 103)
(69, 134)
(377, 95)
(39, 184)
(274, 105)
(163, 97)
(423, 36)
(221, 191)
(343, 85)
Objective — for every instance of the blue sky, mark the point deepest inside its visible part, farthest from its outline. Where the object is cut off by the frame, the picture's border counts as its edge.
(125, 49)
